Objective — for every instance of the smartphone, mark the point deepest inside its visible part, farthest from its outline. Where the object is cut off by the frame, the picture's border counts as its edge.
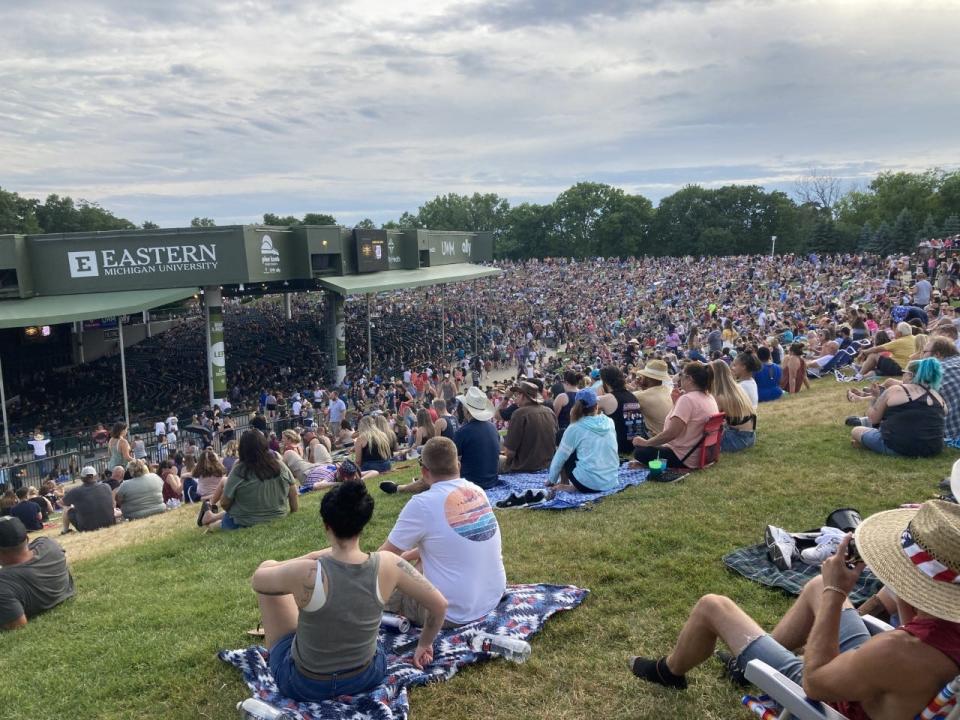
(853, 555)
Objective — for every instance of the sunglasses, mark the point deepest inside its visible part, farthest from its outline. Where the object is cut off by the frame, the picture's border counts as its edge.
(420, 463)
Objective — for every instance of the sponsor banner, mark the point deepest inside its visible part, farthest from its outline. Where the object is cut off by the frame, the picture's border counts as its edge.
(218, 358)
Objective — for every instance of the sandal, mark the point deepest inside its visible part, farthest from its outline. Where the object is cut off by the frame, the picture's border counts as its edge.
(257, 631)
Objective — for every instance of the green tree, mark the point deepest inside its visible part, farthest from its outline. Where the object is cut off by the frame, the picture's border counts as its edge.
(318, 219)
(18, 215)
(826, 238)
(198, 222)
(529, 233)
(865, 239)
(929, 229)
(365, 224)
(461, 212)
(904, 232)
(147, 225)
(883, 240)
(951, 225)
(278, 220)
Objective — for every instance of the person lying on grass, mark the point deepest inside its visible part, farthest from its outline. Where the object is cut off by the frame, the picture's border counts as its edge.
(916, 553)
(451, 530)
(33, 575)
(321, 612)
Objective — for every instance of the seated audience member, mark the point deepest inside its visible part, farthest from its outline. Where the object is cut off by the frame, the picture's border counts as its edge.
(740, 424)
(210, 473)
(794, 377)
(563, 400)
(306, 473)
(345, 435)
(27, 511)
(587, 460)
(683, 429)
(372, 450)
(7, 502)
(46, 507)
(259, 489)
(52, 492)
(910, 415)
(172, 486)
(142, 494)
(744, 365)
(891, 675)
(621, 406)
(653, 397)
(451, 531)
(318, 449)
(33, 575)
(447, 424)
(532, 433)
(889, 358)
(424, 429)
(321, 612)
(944, 350)
(90, 506)
(116, 477)
(230, 455)
(767, 377)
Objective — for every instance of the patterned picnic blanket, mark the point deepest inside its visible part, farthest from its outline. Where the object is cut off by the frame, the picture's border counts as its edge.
(521, 613)
(752, 563)
(521, 482)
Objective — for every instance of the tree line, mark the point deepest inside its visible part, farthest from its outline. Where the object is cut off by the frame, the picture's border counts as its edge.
(890, 215)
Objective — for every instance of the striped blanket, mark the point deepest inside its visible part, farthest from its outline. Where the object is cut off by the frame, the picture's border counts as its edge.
(521, 482)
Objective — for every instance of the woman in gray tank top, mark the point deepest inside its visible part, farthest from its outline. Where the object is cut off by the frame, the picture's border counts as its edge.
(321, 612)
(118, 446)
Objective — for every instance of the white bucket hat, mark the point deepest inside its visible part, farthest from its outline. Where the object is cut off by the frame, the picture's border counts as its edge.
(475, 402)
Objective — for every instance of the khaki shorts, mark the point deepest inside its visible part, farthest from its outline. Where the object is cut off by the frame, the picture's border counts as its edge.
(400, 604)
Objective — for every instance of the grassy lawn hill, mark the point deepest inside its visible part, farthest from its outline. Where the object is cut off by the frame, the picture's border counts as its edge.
(156, 599)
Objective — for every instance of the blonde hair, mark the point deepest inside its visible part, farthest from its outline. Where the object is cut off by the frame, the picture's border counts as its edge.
(919, 343)
(373, 437)
(231, 448)
(384, 425)
(730, 397)
(293, 436)
(425, 423)
(136, 468)
(440, 457)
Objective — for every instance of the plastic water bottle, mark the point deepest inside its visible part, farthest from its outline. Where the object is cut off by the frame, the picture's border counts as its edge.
(254, 709)
(395, 621)
(513, 649)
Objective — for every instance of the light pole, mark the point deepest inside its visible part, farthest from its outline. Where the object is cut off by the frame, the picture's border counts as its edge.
(773, 244)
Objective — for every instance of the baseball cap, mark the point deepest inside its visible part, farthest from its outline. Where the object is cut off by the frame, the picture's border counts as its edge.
(347, 468)
(12, 532)
(587, 396)
(88, 471)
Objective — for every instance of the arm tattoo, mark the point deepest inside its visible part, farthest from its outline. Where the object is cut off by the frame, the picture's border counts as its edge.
(408, 569)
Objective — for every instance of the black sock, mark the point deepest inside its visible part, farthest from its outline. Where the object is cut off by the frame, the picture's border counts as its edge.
(656, 671)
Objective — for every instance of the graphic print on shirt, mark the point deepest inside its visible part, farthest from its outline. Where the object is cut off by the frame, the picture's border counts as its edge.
(469, 514)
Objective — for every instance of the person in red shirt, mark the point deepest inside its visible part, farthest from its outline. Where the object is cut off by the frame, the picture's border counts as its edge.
(916, 553)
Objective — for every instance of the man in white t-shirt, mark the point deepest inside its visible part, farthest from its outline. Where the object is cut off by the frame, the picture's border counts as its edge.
(160, 430)
(335, 410)
(450, 532)
(173, 424)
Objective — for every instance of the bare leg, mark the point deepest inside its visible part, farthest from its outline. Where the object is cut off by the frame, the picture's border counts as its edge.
(794, 627)
(278, 615)
(713, 617)
(856, 437)
(869, 364)
(413, 487)
(367, 474)
(209, 518)
(66, 520)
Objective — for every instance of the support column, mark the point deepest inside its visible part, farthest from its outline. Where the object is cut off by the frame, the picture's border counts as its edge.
(476, 344)
(443, 329)
(146, 323)
(3, 405)
(216, 353)
(337, 331)
(123, 372)
(288, 305)
(369, 342)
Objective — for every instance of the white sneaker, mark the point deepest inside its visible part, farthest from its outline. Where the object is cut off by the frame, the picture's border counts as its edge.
(816, 555)
(781, 547)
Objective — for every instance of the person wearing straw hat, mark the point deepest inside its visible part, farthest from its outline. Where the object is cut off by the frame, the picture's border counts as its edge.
(654, 396)
(916, 553)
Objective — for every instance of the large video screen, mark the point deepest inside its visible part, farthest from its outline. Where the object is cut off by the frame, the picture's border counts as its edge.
(371, 250)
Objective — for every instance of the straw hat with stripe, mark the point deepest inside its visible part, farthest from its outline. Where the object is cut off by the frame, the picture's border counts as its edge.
(916, 552)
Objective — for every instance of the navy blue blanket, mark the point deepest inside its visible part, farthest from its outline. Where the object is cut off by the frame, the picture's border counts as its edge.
(521, 613)
(521, 482)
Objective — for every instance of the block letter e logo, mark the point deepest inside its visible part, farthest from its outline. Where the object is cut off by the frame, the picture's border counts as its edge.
(83, 264)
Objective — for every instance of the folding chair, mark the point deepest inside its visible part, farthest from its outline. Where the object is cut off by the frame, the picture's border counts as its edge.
(791, 702)
(709, 445)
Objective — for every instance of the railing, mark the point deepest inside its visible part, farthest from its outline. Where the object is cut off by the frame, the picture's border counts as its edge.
(69, 455)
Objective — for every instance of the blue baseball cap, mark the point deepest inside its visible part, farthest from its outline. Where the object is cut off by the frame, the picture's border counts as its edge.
(587, 396)
(595, 374)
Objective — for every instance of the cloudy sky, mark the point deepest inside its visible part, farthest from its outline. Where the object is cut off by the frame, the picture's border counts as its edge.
(169, 109)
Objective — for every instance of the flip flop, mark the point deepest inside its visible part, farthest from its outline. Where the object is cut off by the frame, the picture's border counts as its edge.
(257, 631)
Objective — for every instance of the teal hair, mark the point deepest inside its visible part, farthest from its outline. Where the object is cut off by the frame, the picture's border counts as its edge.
(927, 372)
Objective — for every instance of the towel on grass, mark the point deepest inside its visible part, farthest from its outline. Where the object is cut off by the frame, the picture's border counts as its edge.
(521, 613)
(752, 562)
(521, 482)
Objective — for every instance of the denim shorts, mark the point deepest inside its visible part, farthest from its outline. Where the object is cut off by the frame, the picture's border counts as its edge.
(872, 440)
(853, 634)
(296, 686)
(228, 523)
(734, 440)
(378, 465)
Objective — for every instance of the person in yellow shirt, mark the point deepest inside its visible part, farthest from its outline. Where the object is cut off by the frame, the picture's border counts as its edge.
(890, 358)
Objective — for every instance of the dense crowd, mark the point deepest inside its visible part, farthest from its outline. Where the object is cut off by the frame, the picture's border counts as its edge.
(661, 363)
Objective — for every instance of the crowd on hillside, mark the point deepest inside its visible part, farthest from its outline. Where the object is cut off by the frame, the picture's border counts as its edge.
(657, 363)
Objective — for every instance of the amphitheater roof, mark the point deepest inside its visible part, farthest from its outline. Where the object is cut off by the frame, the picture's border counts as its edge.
(55, 309)
(400, 279)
